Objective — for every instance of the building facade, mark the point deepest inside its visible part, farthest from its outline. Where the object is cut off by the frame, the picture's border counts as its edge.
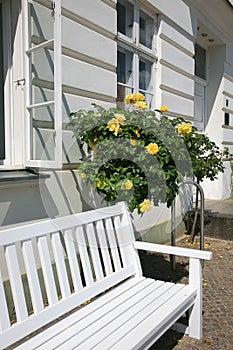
(61, 56)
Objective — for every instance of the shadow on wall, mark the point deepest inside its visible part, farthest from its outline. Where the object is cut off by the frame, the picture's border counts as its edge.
(58, 195)
(217, 55)
(20, 203)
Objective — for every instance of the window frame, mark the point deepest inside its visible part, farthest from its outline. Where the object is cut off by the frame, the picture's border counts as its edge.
(139, 51)
(11, 90)
(2, 111)
(203, 83)
(57, 102)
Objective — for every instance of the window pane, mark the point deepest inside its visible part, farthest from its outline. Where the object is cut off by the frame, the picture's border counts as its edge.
(121, 18)
(199, 102)
(146, 29)
(125, 18)
(200, 61)
(148, 99)
(42, 75)
(226, 119)
(41, 22)
(145, 82)
(122, 91)
(124, 67)
(2, 127)
(43, 133)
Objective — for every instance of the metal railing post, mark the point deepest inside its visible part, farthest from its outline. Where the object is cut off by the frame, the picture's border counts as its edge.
(173, 232)
(173, 219)
(202, 198)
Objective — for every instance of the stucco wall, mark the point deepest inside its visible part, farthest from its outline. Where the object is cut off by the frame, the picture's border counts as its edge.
(89, 61)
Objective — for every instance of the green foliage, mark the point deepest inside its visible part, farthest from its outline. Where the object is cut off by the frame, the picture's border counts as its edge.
(134, 155)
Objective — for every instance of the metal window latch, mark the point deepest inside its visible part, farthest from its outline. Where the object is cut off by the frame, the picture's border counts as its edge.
(20, 82)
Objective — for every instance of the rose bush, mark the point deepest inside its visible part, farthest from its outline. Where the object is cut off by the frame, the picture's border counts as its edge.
(142, 156)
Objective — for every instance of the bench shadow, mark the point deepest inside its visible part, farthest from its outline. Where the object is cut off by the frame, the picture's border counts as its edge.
(158, 266)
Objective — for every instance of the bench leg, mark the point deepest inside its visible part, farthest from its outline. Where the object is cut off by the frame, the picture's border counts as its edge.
(195, 316)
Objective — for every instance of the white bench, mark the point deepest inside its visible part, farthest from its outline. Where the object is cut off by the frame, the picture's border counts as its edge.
(96, 258)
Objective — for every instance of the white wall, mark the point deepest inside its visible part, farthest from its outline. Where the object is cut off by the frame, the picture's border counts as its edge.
(176, 64)
(89, 62)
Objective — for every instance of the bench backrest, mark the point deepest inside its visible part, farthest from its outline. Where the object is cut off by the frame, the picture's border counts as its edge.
(63, 263)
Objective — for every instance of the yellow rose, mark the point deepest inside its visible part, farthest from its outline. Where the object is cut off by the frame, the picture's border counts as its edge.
(145, 206)
(133, 142)
(129, 98)
(139, 97)
(120, 118)
(140, 105)
(83, 175)
(99, 182)
(136, 132)
(152, 148)
(128, 184)
(91, 144)
(184, 128)
(114, 126)
(163, 108)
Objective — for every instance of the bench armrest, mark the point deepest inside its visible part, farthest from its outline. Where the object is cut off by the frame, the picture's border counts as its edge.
(165, 249)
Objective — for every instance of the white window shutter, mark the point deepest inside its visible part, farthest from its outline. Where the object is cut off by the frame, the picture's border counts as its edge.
(43, 83)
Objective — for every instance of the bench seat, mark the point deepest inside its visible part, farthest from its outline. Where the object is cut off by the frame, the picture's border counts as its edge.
(126, 317)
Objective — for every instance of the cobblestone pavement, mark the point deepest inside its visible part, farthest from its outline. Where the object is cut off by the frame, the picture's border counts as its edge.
(217, 296)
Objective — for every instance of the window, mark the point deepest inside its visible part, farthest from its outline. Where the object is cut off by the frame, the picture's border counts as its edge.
(30, 84)
(226, 118)
(42, 28)
(200, 61)
(136, 57)
(200, 86)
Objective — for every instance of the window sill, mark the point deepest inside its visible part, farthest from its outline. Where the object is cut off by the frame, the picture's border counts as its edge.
(20, 176)
(225, 126)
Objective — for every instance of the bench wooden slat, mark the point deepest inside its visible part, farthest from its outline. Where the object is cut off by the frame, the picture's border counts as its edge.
(32, 275)
(113, 244)
(104, 247)
(4, 315)
(94, 249)
(41, 228)
(60, 264)
(85, 260)
(16, 283)
(45, 260)
(125, 238)
(73, 260)
(167, 249)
